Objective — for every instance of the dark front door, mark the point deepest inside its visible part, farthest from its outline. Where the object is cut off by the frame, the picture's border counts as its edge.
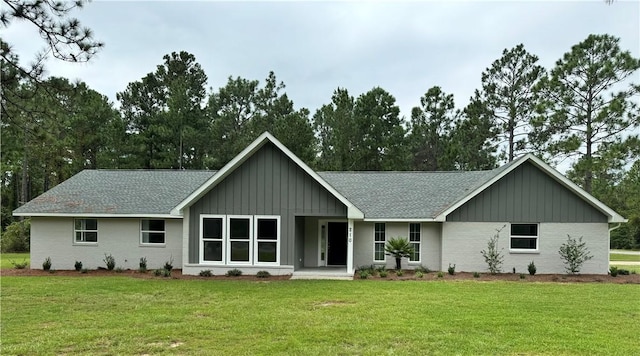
(337, 243)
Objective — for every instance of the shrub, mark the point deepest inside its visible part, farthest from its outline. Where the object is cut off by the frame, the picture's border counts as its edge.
(165, 272)
(77, 265)
(370, 269)
(119, 270)
(440, 274)
(532, 268)
(522, 276)
(157, 272)
(398, 247)
(422, 269)
(451, 269)
(168, 265)
(263, 274)
(205, 273)
(142, 265)
(623, 272)
(492, 256)
(381, 268)
(574, 254)
(110, 261)
(419, 274)
(233, 273)
(363, 274)
(15, 237)
(46, 265)
(20, 265)
(399, 273)
(613, 270)
(383, 273)
(476, 275)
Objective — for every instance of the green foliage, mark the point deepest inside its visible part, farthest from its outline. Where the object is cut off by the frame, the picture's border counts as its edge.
(523, 276)
(383, 273)
(110, 261)
(16, 237)
(399, 272)
(234, 273)
(20, 265)
(77, 265)
(476, 275)
(168, 265)
(613, 270)
(157, 272)
(263, 274)
(440, 274)
(84, 271)
(364, 274)
(206, 273)
(419, 274)
(142, 265)
(370, 269)
(492, 256)
(452, 269)
(118, 270)
(574, 253)
(162, 272)
(422, 269)
(398, 247)
(531, 267)
(46, 265)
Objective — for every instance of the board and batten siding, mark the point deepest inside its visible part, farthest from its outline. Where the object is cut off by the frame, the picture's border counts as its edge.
(267, 183)
(527, 195)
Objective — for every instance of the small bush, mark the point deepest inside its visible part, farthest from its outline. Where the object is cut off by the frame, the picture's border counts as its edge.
(532, 268)
(451, 269)
(119, 270)
(263, 274)
(15, 237)
(370, 269)
(383, 273)
(168, 265)
(84, 270)
(157, 272)
(234, 273)
(522, 276)
(422, 269)
(514, 270)
(110, 261)
(419, 274)
(574, 253)
(381, 268)
(20, 265)
(492, 255)
(399, 273)
(142, 265)
(206, 273)
(440, 274)
(52, 271)
(476, 275)
(165, 272)
(623, 272)
(46, 265)
(77, 266)
(363, 274)
(613, 270)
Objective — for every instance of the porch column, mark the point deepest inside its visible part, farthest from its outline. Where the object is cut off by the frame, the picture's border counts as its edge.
(350, 247)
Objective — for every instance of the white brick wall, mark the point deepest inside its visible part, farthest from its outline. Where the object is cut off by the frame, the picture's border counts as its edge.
(54, 237)
(463, 241)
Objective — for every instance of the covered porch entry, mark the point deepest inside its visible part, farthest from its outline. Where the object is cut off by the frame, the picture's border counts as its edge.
(324, 246)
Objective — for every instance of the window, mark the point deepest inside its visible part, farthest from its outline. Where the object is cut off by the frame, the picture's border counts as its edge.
(86, 230)
(524, 237)
(152, 231)
(414, 240)
(379, 240)
(242, 240)
(212, 233)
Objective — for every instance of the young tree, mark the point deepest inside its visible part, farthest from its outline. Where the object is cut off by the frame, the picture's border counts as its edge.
(492, 255)
(574, 254)
(580, 110)
(399, 248)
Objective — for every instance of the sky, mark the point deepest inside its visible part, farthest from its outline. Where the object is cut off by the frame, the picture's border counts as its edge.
(315, 47)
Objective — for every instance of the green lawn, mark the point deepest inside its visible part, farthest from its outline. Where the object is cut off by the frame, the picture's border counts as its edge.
(6, 258)
(630, 268)
(623, 257)
(124, 315)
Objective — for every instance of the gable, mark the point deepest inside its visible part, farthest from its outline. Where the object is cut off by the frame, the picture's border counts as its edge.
(527, 194)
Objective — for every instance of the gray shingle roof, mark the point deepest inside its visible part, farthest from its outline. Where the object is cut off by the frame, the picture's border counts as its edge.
(406, 195)
(118, 192)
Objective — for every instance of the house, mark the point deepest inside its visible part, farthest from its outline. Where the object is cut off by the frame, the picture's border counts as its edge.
(267, 210)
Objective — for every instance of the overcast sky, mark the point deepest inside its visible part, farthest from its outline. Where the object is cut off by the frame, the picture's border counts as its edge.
(315, 47)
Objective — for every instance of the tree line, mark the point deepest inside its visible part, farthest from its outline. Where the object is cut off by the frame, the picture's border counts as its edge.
(585, 109)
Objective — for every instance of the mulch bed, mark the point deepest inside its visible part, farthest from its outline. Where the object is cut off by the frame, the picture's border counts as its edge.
(408, 275)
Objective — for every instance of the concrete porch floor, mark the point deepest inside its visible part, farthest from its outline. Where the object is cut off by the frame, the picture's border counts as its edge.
(335, 273)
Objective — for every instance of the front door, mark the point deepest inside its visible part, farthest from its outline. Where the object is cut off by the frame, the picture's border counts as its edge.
(337, 243)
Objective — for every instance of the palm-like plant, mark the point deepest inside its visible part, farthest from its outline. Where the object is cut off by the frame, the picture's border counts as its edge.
(398, 247)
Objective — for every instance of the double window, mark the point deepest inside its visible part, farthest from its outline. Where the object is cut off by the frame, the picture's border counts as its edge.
(414, 240)
(152, 232)
(240, 239)
(379, 240)
(524, 237)
(86, 230)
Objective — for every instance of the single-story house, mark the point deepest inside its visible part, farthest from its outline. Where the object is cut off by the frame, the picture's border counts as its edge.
(268, 210)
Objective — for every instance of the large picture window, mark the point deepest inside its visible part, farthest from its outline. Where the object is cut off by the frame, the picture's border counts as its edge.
(86, 230)
(524, 237)
(379, 239)
(243, 240)
(152, 232)
(414, 240)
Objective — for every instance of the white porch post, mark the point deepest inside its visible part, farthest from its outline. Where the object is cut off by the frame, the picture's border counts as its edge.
(185, 237)
(350, 247)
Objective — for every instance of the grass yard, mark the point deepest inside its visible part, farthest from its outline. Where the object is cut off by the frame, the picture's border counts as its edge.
(6, 258)
(630, 268)
(623, 257)
(123, 315)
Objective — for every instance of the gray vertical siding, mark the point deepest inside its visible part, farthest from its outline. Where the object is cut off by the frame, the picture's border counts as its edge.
(527, 195)
(267, 183)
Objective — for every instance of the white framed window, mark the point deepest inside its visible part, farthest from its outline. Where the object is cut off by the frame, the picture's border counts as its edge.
(212, 238)
(379, 240)
(414, 240)
(239, 236)
(267, 240)
(86, 231)
(523, 238)
(152, 232)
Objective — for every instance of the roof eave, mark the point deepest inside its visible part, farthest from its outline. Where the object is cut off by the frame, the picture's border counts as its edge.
(99, 215)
